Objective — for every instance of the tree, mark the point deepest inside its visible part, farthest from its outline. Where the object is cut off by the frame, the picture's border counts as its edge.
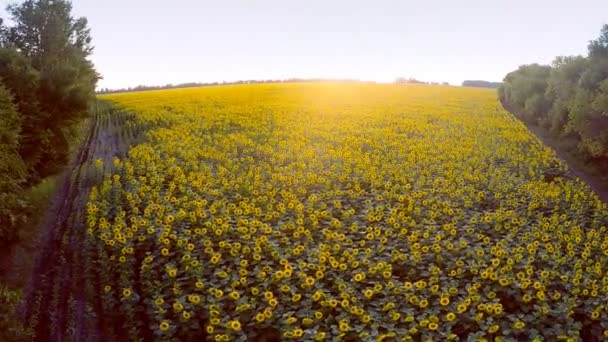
(599, 46)
(600, 104)
(569, 97)
(523, 90)
(481, 84)
(52, 47)
(561, 88)
(12, 167)
(23, 82)
(45, 31)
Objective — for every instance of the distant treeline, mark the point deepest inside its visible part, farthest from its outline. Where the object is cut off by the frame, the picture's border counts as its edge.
(481, 84)
(199, 84)
(400, 80)
(568, 97)
(411, 80)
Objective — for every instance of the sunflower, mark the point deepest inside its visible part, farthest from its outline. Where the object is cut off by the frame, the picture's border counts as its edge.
(234, 325)
(164, 326)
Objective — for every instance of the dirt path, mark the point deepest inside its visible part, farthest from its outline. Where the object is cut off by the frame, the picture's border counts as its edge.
(50, 290)
(61, 297)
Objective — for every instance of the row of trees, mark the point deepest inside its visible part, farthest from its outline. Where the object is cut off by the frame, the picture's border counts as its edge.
(201, 84)
(568, 97)
(46, 86)
(481, 84)
(146, 88)
(412, 80)
(399, 80)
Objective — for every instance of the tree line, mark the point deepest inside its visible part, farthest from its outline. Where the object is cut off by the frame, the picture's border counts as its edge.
(200, 84)
(569, 98)
(412, 80)
(47, 84)
(481, 84)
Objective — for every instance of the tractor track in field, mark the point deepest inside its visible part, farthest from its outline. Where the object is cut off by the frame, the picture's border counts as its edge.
(59, 300)
(55, 260)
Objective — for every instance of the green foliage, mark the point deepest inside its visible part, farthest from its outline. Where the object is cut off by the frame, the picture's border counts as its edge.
(22, 80)
(43, 61)
(600, 103)
(12, 168)
(561, 88)
(10, 122)
(46, 86)
(11, 328)
(481, 84)
(599, 47)
(40, 195)
(45, 30)
(570, 97)
(524, 90)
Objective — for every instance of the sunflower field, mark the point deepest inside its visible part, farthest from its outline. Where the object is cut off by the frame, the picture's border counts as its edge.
(337, 211)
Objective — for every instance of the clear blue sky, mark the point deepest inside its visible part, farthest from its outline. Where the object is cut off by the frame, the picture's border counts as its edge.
(159, 41)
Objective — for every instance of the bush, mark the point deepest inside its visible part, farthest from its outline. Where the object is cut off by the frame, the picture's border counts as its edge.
(43, 61)
(12, 168)
(568, 97)
(11, 328)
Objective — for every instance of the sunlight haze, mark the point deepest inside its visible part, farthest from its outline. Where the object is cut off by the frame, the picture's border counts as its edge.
(158, 42)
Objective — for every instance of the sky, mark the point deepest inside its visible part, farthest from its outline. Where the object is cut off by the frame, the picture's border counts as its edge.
(155, 42)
